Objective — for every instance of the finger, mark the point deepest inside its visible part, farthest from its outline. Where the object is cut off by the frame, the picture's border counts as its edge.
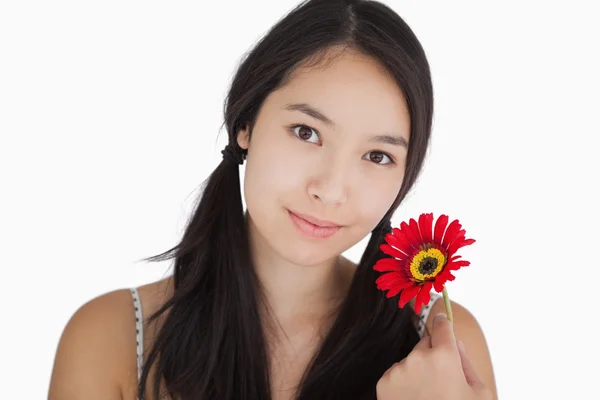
(469, 370)
(442, 334)
(394, 366)
(424, 343)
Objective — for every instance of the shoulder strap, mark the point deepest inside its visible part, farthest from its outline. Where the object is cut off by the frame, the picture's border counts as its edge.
(425, 312)
(139, 330)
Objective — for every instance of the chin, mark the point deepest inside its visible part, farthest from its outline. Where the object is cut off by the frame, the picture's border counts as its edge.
(306, 256)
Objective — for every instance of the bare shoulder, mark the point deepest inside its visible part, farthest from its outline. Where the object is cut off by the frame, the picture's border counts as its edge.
(467, 329)
(91, 355)
(96, 354)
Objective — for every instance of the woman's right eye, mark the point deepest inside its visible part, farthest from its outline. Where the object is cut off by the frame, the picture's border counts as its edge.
(304, 132)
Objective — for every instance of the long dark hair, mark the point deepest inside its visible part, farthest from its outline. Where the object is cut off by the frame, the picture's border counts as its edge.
(211, 344)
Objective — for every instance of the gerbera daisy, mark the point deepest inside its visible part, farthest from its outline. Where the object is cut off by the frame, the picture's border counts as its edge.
(422, 258)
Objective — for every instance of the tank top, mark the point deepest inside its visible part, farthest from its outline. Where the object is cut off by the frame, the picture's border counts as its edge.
(139, 327)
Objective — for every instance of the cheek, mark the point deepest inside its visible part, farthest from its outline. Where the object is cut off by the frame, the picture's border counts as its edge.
(374, 203)
(271, 178)
(272, 170)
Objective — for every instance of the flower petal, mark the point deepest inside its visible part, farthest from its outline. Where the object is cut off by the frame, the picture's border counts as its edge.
(398, 241)
(456, 265)
(392, 251)
(440, 227)
(423, 297)
(390, 279)
(445, 276)
(438, 284)
(414, 241)
(441, 279)
(458, 244)
(396, 289)
(454, 257)
(426, 227)
(452, 232)
(414, 229)
(408, 294)
(388, 264)
(457, 238)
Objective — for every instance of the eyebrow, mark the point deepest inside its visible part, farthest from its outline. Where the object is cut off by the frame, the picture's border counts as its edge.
(316, 114)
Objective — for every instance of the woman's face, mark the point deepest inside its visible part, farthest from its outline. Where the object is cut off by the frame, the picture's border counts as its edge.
(314, 150)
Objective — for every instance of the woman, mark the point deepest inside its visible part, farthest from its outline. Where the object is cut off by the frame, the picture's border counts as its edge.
(332, 113)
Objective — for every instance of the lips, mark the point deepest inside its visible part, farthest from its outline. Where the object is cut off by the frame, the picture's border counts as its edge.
(310, 230)
(315, 221)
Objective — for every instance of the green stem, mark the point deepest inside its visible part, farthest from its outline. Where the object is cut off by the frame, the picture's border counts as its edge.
(447, 304)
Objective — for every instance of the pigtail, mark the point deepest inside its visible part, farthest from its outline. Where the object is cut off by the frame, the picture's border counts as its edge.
(213, 281)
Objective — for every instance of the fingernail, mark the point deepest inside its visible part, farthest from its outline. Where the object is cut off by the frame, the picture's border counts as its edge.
(439, 318)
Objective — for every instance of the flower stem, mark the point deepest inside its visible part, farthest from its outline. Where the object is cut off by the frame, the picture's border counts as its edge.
(447, 304)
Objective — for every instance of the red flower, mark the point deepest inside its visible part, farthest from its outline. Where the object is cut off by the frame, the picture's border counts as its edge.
(422, 258)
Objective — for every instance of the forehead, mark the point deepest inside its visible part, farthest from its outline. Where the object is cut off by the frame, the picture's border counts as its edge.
(351, 89)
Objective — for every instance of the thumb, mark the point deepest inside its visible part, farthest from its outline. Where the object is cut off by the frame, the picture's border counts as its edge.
(469, 370)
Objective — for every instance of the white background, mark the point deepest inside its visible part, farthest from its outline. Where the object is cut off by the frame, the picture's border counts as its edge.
(109, 120)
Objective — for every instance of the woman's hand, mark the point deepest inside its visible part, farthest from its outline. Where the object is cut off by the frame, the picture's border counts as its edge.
(437, 368)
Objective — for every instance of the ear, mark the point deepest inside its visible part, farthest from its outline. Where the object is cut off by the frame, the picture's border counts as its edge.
(243, 137)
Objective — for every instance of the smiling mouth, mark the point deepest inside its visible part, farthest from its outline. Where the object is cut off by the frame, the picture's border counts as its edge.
(316, 221)
(311, 230)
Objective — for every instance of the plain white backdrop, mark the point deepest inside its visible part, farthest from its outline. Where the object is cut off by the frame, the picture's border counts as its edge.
(109, 119)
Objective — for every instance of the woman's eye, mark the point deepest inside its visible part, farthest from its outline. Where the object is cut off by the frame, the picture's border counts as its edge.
(304, 132)
(377, 156)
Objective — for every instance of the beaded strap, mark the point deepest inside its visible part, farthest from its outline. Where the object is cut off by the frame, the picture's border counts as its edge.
(139, 330)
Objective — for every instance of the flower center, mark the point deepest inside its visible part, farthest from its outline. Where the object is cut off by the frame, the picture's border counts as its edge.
(427, 264)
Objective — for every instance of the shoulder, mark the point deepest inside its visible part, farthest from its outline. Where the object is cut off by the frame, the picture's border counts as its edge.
(96, 354)
(466, 326)
(91, 354)
(468, 330)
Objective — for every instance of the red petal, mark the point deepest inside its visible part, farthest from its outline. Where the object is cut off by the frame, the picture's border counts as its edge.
(452, 232)
(408, 294)
(440, 227)
(396, 289)
(458, 244)
(415, 241)
(441, 279)
(390, 279)
(445, 276)
(414, 229)
(391, 251)
(399, 242)
(438, 285)
(423, 297)
(387, 264)
(402, 238)
(426, 227)
(457, 238)
(456, 265)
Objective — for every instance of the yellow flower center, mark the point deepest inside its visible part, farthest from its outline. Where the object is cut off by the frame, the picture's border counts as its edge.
(427, 264)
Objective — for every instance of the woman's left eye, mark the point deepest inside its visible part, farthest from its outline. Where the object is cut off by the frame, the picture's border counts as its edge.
(376, 157)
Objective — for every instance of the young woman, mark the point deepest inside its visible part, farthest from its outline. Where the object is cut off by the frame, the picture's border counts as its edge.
(332, 113)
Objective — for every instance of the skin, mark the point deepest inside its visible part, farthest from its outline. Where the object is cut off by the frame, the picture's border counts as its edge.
(330, 171)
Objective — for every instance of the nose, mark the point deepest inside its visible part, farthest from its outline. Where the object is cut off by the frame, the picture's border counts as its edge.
(330, 184)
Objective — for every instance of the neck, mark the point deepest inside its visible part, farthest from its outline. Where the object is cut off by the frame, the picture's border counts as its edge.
(297, 295)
